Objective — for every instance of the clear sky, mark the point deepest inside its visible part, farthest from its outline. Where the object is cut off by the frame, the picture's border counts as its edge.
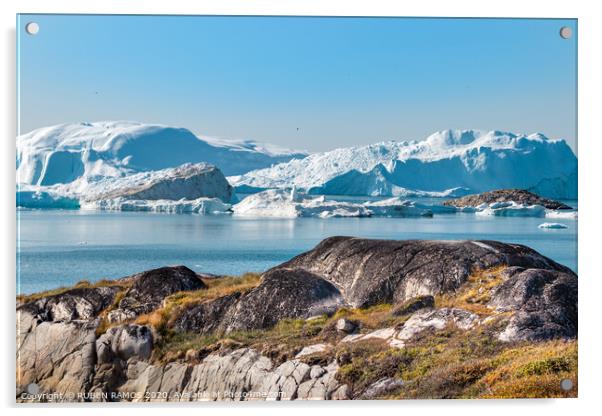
(307, 83)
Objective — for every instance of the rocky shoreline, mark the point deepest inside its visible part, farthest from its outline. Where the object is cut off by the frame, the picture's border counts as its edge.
(519, 196)
(350, 319)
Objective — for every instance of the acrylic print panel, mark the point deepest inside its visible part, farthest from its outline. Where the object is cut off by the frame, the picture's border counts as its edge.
(295, 208)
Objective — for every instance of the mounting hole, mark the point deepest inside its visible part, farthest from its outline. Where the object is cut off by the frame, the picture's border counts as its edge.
(32, 28)
(566, 384)
(33, 388)
(566, 32)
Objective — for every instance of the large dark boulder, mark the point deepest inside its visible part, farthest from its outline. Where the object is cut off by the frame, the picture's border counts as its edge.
(369, 272)
(281, 294)
(506, 195)
(151, 287)
(207, 316)
(284, 294)
(543, 302)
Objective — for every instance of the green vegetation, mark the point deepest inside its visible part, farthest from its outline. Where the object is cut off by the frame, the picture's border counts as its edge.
(280, 343)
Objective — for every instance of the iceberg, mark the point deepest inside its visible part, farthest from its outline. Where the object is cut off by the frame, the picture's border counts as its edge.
(510, 209)
(552, 225)
(192, 188)
(189, 181)
(515, 209)
(87, 152)
(285, 203)
(451, 159)
(568, 215)
(31, 198)
(182, 206)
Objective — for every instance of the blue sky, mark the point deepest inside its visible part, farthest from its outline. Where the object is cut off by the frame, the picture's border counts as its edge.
(309, 83)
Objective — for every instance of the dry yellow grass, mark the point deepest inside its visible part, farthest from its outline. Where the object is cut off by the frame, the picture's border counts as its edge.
(534, 370)
(475, 293)
(216, 288)
(447, 363)
(373, 317)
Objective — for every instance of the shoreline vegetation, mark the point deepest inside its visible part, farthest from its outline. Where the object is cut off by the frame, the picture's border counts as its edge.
(350, 319)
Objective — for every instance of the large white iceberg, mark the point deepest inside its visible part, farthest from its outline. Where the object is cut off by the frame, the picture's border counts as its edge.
(189, 181)
(288, 203)
(87, 152)
(475, 160)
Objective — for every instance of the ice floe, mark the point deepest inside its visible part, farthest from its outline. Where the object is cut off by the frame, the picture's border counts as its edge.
(552, 225)
(286, 203)
(182, 206)
(514, 209)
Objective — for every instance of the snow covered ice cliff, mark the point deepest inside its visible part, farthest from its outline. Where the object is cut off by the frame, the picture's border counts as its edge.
(462, 159)
(86, 152)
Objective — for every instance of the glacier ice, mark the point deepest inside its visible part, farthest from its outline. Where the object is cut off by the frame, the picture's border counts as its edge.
(32, 198)
(568, 215)
(134, 166)
(552, 225)
(466, 159)
(515, 209)
(87, 152)
(189, 181)
(289, 203)
(511, 209)
(182, 206)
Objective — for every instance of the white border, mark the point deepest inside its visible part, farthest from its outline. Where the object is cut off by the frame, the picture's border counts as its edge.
(590, 151)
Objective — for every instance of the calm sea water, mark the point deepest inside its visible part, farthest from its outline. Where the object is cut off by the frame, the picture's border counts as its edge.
(59, 248)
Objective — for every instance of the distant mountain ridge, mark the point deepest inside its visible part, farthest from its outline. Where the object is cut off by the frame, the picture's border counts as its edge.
(467, 159)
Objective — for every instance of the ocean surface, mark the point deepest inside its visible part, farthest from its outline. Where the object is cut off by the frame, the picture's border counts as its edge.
(60, 247)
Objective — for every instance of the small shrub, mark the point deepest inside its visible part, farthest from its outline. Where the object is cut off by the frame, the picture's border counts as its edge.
(546, 366)
(365, 368)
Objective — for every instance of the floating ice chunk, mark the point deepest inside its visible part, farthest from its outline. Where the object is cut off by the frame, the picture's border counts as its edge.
(43, 199)
(285, 204)
(552, 225)
(396, 207)
(511, 209)
(343, 212)
(569, 215)
(182, 206)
